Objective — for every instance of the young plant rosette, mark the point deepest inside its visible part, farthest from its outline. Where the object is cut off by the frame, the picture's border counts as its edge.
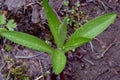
(82, 35)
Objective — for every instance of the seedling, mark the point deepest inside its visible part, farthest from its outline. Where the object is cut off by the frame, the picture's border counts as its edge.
(10, 25)
(58, 29)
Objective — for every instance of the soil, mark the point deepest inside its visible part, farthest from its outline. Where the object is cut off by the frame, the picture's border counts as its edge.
(96, 60)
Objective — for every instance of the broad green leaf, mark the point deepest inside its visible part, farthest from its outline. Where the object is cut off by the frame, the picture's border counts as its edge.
(11, 25)
(75, 42)
(58, 61)
(53, 20)
(27, 40)
(2, 19)
(91, 29)
(62, 32)
(94, 27)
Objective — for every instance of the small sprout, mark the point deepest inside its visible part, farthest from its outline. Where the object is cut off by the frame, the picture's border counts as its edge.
(5, 75)
(8, 59)
(78, 4)
(66, 3)
(47, 73)
(2, 19)
(11, 25)
(7, 48)
(19, 72)
(73, 10)
(26, 78)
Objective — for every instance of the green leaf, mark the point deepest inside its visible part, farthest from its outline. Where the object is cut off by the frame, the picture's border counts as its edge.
(62, 32)
(2, 19)
(53, 20)
(2, 29)
(75, 42)
(11, 25)
(27, 40)
(90, 30)
(58, 61)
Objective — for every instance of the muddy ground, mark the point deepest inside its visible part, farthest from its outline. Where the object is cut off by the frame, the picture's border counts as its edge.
(97, 60)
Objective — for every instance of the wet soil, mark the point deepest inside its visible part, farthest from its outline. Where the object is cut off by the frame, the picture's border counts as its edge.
(97, 60)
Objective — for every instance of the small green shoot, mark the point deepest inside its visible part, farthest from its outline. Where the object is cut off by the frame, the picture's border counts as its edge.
(7, 48)
(66, 3)
(2, 19)
(11, 25)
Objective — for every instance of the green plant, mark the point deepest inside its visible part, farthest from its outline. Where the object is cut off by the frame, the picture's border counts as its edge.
(81, 36)
(7, 48)
(19, 72)
(10, 25)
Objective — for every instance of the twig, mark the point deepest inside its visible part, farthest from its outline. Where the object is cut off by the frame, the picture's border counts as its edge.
(38, 78)
(105, 7)
(89, 61)
(8, 76)
(97, 77)
(27, 57)
(5, 40)
(2, 67)
(41, 68)
(100, 42)
(91, 45)
(60, 5)
(109, 46)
